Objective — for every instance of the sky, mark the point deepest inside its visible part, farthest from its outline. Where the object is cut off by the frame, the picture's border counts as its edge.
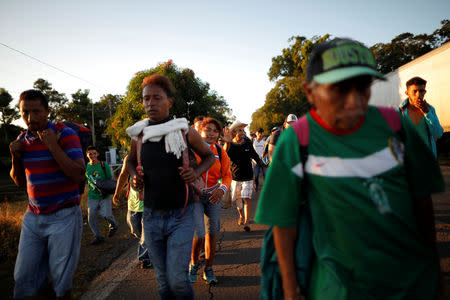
(229, 44)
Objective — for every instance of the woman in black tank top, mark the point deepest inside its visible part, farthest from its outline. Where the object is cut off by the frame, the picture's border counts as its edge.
(168, 215)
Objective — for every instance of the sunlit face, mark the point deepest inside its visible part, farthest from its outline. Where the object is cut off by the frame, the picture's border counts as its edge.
(416, 94)
(34, 114)
(210, 133)
(259, 135)
(341, 105)
(92, 155)
(197, 125)
(156, 103)
(240, 133)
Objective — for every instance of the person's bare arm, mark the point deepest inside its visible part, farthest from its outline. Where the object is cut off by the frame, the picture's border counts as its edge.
(198, 145)
(270, 151)
(227, 138)
(121, 181)
(17, 172)
(136, 180)
(284, 239)
(74, 169)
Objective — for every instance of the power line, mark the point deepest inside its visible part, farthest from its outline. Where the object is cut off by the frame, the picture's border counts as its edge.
(51, 66)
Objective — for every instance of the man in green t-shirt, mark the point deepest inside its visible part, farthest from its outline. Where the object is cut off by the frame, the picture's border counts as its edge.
(368, 188)
(96, 202)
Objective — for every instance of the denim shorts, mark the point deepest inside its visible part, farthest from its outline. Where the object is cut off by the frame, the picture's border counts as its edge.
(206, 216)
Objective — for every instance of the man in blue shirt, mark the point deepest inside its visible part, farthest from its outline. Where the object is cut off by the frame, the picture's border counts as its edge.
(421, 113)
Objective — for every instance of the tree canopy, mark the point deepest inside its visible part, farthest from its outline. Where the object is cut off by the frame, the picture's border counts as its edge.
(406, 47)
(288, 71)
(192, 98)
(8, 114)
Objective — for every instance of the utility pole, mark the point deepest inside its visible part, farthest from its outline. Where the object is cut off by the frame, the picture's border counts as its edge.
(93, 125)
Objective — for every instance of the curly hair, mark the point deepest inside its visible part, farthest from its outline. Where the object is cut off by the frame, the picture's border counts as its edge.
(161, 81)
(209, 120)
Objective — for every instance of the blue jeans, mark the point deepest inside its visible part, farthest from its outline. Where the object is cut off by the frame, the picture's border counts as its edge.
(49, 244)
(168, 236)
(134, 220)
(105, 208)
(209, 211)
(256, 170)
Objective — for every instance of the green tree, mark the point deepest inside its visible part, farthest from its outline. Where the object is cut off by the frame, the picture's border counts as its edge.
(406, 47)
(7, 113)
(192, 97)
(56, 100)
(288, 71)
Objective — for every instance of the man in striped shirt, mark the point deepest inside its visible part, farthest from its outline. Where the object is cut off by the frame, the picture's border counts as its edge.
(50, 163)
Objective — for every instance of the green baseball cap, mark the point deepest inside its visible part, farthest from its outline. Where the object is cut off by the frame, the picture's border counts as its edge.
(340, 59)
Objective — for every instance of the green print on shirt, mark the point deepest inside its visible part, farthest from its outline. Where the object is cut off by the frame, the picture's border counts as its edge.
(378, 195)
(347, 55)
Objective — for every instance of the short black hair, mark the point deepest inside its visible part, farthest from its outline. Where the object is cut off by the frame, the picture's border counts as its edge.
(34, 95)
(90, 148)
(260, 130)
(416, 81)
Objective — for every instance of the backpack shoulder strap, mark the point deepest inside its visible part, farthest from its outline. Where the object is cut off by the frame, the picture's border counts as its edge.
(60, 126)
(219, 152)
(102, 163)
(301, 127)
(391, 116)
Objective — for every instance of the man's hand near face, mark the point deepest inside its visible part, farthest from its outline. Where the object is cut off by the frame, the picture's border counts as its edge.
(48, 137)
(17, 148)
(423, 106)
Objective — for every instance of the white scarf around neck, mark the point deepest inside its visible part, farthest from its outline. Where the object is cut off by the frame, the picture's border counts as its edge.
(173, 131)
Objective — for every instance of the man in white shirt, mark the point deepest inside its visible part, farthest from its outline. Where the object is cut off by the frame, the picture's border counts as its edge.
(258, 144)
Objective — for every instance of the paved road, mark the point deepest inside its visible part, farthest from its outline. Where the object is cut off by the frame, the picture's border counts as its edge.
(236, 267)
(237, 261)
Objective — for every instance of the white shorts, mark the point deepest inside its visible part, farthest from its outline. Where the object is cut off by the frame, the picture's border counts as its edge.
(240, 190)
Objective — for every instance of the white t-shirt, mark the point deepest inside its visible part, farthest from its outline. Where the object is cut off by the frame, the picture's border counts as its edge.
(259, 146)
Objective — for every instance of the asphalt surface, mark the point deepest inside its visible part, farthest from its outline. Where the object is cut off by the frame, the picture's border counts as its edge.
(236, 267)
(237, 261)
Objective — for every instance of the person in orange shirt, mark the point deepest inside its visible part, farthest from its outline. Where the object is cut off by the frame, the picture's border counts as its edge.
(210, 202)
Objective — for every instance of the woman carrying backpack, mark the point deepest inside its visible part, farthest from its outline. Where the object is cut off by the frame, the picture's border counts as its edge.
(210, 202)
(158, 164)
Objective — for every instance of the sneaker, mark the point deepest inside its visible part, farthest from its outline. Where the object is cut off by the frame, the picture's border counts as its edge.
(208, 276)
(112, 231)
(193, 269)
(97, 241)
(145, 264)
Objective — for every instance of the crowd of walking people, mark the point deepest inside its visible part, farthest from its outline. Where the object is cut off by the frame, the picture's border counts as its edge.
(362, 176)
